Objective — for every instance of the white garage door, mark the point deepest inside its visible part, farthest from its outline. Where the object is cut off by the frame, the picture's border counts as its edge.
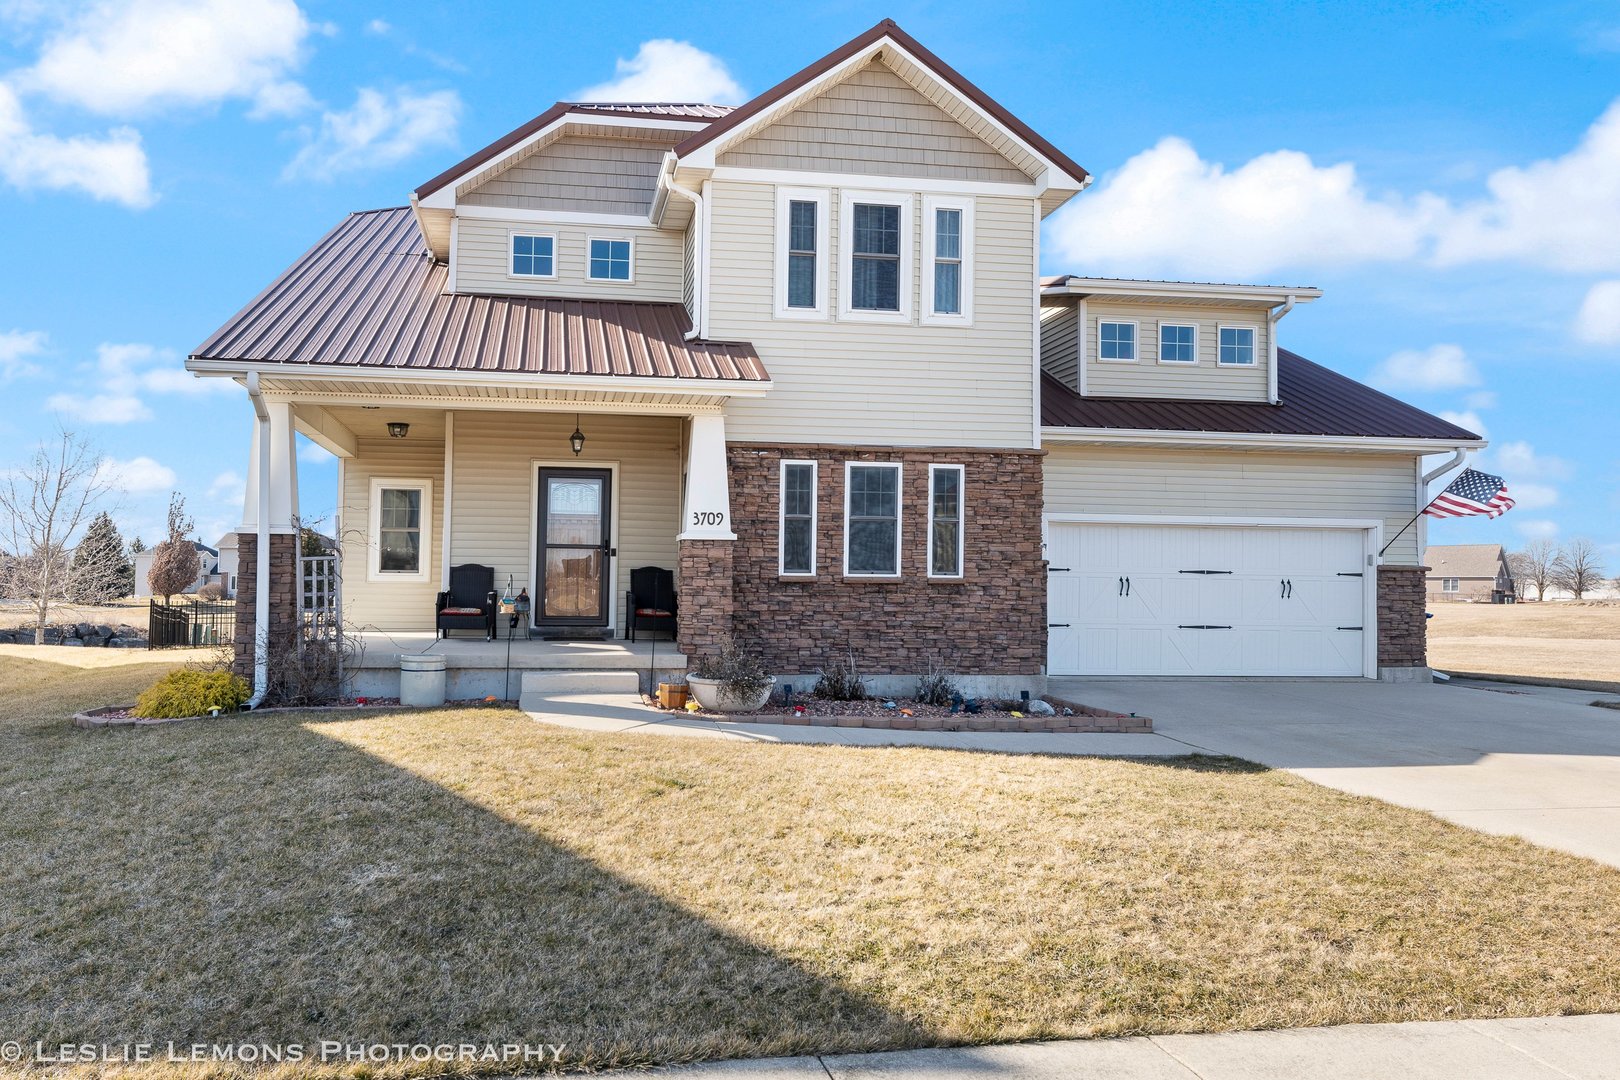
(1204, 600)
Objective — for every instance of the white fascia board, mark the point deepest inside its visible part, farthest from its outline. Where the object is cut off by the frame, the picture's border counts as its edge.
(621, 383)
(445, 197)
(1252, 440)
(1260, 294)
(564, 217)
(746, 175)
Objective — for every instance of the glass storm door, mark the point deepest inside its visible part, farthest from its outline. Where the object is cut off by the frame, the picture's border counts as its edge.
(574, 554)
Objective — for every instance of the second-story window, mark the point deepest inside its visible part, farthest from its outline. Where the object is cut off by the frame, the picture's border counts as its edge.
(801, 283)
(534, 255)
(610, 260)
(801, 253)
(1237, 346)
(947, 260)
(876, 258)
(1178, 343)
(1116, 341)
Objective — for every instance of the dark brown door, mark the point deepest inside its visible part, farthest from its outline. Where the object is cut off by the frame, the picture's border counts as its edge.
(574, 553)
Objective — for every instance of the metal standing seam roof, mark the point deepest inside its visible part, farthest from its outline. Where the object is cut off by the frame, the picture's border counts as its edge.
(370, 296)
(1314, 401)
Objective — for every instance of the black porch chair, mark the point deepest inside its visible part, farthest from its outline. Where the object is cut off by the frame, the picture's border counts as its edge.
(650, 603)
(469, 603)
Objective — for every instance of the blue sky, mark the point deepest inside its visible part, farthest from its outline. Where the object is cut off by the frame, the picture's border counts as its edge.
(1449, 174)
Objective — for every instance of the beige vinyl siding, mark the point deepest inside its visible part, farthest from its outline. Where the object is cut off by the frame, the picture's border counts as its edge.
(389, 605)
(876, 124)
(494, 488)
(483, 251)
(1236, 484)
(578, 174)
(896, 383)
(1204, 381)
(1059, 353)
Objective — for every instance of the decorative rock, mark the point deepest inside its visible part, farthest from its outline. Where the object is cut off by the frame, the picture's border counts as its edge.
(82, 630)
(73, 641)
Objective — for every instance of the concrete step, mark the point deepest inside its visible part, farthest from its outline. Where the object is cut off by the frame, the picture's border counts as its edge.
(540, 685)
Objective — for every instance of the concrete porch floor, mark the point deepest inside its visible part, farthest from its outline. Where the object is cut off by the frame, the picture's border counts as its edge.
(475, 668)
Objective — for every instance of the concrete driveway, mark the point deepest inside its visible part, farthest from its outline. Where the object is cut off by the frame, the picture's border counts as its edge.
(1535, 762)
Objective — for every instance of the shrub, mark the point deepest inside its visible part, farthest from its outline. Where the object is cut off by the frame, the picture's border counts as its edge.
(841, 681)
(741, 674)
(936, 687)
(211, 591)
(192, 693)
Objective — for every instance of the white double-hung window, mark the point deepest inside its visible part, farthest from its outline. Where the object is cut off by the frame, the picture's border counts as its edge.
(947, 260)
(797, 544)
(871, 519)
(801, 253)
(401, 520)
(875, 256)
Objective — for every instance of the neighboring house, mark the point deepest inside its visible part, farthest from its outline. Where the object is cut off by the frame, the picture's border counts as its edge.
(226, 567)
(1476, 573)
(207, 569)
(815, 372)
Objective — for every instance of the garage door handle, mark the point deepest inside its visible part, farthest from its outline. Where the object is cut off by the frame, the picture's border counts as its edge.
(1201, 626)
(1203, 571)
(1055, 625)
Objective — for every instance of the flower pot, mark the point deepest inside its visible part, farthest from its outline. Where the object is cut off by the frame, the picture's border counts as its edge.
(672, 695)
(711, 697)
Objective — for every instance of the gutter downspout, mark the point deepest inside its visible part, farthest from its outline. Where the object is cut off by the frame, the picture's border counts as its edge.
(698, 211)
(1457, 458)
(261, 579)
(1272, 319)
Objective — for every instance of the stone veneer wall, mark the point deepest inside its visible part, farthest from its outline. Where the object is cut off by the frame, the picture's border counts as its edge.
(1402, 627)
(704, 582)
(283, 594)
(992, 621)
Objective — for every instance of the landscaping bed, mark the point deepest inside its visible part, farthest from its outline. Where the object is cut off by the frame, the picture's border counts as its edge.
(907, 714)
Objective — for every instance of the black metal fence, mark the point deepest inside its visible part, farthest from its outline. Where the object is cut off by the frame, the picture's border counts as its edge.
(191, 623)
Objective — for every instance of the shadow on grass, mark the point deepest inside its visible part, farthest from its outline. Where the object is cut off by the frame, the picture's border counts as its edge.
(257, 881)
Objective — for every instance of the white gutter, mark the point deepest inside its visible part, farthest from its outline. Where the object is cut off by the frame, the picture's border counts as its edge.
(1456, 459)
(261, 579)
(1156, 437)
(698, 231)
(1272, 319)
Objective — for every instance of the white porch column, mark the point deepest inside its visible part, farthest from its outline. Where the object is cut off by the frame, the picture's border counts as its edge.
(707, 513)
(250, 497)
(283, 469)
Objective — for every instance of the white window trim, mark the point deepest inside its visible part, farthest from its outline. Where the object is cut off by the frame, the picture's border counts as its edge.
(1450, 584)
(1160, 343)
(1254, 351)
(374, 571)
(899, 522)
(821, 197)
(961, 521)
(930, 239)
(846, 254)
(512, 235)
(631, 280)
(781, 517)
(1136, 340)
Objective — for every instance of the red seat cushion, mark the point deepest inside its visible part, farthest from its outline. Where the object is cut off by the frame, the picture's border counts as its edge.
(655, 613)
(461, 611)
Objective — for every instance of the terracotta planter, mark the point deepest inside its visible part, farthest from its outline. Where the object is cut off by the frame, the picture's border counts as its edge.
(711, 697)
(672, 695)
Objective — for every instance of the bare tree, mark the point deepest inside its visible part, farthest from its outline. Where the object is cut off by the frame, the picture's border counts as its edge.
(1533, 565)
(1578, 568)
(175, 563)
(42, 505)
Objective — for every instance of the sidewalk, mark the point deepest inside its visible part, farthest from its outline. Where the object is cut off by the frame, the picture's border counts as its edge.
(1552, 1048)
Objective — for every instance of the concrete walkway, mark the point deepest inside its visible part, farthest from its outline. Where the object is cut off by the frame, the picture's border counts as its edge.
(1529, 761)
(620, 712)
(1555, 1048)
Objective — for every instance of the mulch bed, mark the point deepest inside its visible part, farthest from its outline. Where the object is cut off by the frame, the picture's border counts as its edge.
(908, 715)
(121, 715)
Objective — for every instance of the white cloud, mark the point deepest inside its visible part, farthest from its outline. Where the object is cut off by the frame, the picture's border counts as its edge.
(666, 70)
(1439, 367)
(1481, 399)
(1598, 322)
(1468, 419)
(228, 486)
(310, 453)
(100, 408)
(133, 57)
(378, 26)
(122, 373)
(281, 99)
(138, 475)
(1536, 528)
(111, 168)
(16, 346)
(1532, 478)
(380, 129)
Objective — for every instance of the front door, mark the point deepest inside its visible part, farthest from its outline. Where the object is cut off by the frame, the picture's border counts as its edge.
(574, 553)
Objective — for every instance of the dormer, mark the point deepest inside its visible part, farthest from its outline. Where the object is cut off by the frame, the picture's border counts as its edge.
(1116, 338)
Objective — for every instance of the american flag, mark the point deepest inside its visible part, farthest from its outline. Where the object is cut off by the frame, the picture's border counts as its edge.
(1473, 492)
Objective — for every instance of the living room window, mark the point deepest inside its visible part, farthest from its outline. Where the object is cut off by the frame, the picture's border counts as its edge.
(1116, 341)
(945, 521)
(611, 260)
(1237, 346)
(401, 529)
(876, 258)
(1178, 343)
(871, 519)
(797, 544)
(534, 255)
(948, 259)
(801, 253)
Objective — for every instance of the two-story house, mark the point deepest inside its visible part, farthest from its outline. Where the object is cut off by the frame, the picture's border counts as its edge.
(800, 353)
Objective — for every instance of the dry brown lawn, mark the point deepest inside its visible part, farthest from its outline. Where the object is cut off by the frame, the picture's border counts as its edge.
(129, 612)
(473, 875)
(1565, 642)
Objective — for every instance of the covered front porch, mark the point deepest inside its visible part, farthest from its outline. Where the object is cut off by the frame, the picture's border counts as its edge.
(477, 668)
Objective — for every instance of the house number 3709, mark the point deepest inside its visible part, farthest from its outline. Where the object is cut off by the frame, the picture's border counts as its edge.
(707, 517)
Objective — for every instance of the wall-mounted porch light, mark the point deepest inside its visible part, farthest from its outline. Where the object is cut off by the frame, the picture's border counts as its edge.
(577, 439)
(398, 429)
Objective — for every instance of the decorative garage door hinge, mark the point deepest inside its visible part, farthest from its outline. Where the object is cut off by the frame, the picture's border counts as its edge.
(1203, 571)
(1201, 626)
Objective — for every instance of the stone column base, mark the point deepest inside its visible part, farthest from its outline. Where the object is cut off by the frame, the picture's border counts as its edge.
(1402, 621)
(283, 594)
(704, 582)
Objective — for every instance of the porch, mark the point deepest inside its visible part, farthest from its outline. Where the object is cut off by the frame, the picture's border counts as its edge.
(476, 668)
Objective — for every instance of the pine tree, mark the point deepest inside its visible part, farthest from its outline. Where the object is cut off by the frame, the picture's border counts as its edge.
(100, 570)
(136, 546)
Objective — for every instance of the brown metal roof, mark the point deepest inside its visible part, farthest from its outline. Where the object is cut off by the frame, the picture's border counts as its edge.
(890, 29)
(369, 295)
(1315, 401)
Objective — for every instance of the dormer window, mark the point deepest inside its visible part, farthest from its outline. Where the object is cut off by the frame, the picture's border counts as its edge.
(1237, 346)
(534, 255)
(1178, 343)
(611, 260)
(1116, 341)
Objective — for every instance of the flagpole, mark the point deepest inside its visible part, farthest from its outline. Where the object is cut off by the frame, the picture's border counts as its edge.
(1403, 528)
